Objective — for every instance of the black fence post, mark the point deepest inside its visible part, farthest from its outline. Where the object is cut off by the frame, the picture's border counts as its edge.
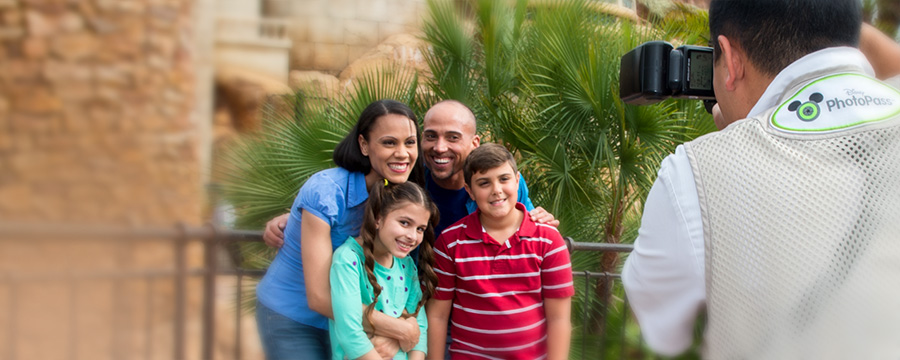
(584, 309)
(73, 319)
(180, 292)
(237, 318)
(148, 319)
(210, 243)
(11, 331)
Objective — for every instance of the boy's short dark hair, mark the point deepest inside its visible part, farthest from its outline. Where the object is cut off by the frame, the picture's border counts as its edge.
(486, 157)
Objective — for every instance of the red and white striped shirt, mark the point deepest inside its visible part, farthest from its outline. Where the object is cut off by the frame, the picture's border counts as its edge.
(498, 290)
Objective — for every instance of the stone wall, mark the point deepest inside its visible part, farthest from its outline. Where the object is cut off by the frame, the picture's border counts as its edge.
(104, 121)
(98, 118)
(328, 35)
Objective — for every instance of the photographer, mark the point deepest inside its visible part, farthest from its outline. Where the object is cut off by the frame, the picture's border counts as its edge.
(785, 225)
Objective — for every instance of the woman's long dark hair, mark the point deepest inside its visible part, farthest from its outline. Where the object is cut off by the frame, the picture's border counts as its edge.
(347, 153)
(383, 200)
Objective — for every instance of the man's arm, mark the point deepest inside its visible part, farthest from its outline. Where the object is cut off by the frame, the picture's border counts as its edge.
(438, 312)
(559, 327)
(664, 275)
(273, 236)
(881, 51)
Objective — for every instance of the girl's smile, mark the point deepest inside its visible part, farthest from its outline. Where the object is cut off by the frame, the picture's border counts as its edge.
(399, 232)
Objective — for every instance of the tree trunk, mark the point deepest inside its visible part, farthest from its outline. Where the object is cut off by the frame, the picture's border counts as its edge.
(612, 231)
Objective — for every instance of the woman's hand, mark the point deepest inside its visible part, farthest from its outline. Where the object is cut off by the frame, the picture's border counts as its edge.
(385, 346)
(411, 337)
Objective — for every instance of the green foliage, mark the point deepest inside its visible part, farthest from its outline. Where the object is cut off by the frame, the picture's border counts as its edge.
(545, 84)
(542, 79)
(451, 58)
(884, 15)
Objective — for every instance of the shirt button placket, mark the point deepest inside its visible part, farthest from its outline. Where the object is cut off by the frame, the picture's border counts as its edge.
(500, 266)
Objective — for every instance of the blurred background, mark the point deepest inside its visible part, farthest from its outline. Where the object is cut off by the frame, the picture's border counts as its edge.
(112, 114)
(117, 118)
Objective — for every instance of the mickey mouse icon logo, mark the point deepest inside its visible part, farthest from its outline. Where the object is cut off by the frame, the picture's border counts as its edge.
(807, 111)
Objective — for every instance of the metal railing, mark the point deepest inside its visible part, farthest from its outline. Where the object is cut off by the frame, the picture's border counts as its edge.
(214, 241)
(591, 281)
(178, 272)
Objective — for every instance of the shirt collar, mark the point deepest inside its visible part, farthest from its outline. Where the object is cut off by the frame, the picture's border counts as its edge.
(475, 230)
(805, 69)
(356, 189)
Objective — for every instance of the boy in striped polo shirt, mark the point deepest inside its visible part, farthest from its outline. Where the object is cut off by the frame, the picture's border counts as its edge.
(507, 279)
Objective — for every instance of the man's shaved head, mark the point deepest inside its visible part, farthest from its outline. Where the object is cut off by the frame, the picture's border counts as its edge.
(447, 138)
(453, 108)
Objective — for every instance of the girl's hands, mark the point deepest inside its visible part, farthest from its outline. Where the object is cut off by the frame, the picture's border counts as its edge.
(386, 347)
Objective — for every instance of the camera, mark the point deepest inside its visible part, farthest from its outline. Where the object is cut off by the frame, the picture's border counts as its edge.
(655, 71)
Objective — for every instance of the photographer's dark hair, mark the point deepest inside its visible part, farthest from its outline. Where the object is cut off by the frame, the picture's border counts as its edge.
(347, 153)
(383, 200)
(775, 33)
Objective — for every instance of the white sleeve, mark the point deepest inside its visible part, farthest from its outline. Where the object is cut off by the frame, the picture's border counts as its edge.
(664, 276)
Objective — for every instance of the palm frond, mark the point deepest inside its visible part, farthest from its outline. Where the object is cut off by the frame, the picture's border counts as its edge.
(264, 172)
(452, 54)
(542, 79)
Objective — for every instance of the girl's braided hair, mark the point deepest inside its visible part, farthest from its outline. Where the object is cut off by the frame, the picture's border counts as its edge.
(383, 200)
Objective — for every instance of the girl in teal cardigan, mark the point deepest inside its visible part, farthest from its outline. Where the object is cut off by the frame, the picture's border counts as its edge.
(375, 270)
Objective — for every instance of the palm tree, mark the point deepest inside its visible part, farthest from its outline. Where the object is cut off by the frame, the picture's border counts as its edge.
(542, 78)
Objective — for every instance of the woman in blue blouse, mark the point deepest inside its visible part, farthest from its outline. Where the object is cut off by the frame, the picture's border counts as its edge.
(294, 299)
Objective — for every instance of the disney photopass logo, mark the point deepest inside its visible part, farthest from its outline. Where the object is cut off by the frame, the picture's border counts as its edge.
(836, 102)
(855, 97)
(810, 110)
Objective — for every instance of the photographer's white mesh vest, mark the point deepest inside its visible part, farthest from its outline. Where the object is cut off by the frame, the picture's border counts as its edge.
(801, 217)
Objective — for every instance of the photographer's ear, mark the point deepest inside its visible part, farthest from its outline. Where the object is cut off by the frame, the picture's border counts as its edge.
(734, 62)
